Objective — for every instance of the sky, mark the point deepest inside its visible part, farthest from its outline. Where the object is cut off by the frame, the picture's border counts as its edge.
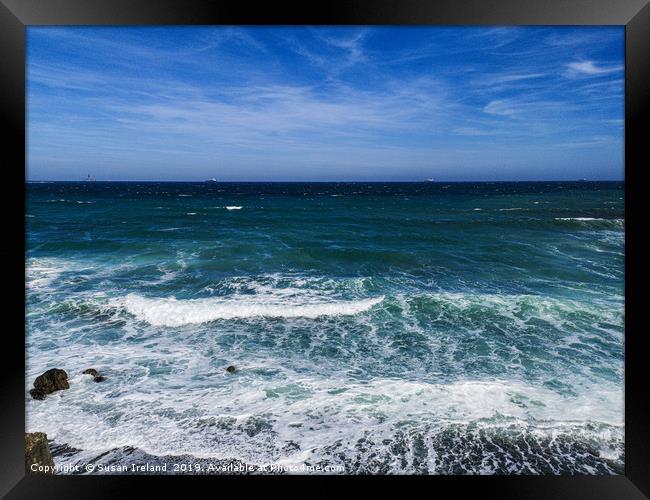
(325, 103)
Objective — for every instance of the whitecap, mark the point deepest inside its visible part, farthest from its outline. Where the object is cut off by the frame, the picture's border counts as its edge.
(170, 311)
(578, 218)
(596, 221)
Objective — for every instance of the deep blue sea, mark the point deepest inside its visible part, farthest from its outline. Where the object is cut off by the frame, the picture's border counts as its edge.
(440, 328)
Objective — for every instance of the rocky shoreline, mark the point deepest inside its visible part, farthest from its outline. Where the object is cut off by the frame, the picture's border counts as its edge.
(38, 457)
(129, 460)
(457, 449)
(41, 452)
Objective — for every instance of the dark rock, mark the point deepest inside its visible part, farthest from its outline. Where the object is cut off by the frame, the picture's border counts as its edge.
(128, 460)
(50, 381)
(231, 369)
(96, 376)
(37, 453)
(37, 394)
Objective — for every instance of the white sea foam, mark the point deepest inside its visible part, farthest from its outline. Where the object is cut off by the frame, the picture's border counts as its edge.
(169, 394)
(520, 308)
(594, 222)
(253, 419)
(578, 218)
(41, 273)
(233, 207)
(173, 312)
(586, 219)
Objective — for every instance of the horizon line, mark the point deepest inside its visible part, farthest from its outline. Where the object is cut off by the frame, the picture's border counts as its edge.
(321, 181)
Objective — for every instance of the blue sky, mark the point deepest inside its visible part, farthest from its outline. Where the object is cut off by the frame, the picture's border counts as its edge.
(325, 103)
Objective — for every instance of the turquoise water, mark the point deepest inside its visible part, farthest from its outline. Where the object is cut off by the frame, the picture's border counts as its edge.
(402, 328)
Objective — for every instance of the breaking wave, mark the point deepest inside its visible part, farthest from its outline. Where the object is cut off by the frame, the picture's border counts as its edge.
(173, 312)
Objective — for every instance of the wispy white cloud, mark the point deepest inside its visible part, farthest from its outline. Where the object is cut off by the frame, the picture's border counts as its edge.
(581, 37)
(592, 142)
(281, 111)
(473, 131)
(529, 108)
(501, 107)
(217, 37)
(590, 68)
(352, 44)
(494, 79)
(331, 51)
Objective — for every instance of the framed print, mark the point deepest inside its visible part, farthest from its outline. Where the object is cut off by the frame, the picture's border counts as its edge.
(289, 246)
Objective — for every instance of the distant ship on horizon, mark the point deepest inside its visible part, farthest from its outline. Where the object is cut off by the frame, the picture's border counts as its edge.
(212, 180)
(89, 179)
(430, 179)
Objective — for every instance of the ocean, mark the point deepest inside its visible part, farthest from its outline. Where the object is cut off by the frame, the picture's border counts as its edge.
(405, 328)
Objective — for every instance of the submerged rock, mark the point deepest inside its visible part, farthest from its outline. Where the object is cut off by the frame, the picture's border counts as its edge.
(50, 381)
(37, 453)
(231, 369)
(96, 376)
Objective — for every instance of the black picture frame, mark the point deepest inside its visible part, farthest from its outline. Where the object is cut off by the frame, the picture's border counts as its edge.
(16, 15)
